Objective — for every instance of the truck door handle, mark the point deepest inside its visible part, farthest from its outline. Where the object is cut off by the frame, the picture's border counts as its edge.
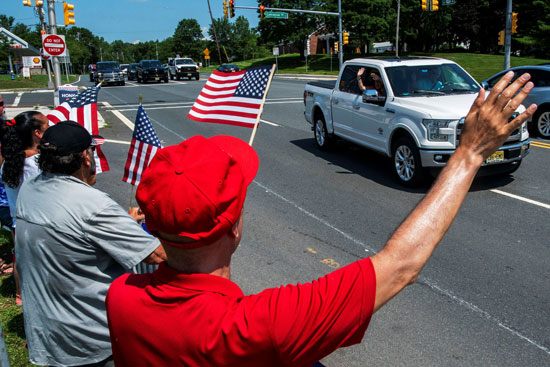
(335, 101)
(356, 107)
(390, 110)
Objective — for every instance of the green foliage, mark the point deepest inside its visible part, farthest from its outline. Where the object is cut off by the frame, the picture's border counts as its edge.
(187, 39)
(37, 81)
(239, 41)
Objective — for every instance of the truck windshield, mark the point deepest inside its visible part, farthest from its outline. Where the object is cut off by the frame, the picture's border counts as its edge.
(152, 63)
(106, 66)
(409, 81)
(184, 61)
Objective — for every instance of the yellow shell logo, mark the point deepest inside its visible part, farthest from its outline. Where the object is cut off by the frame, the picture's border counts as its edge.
(36, 60)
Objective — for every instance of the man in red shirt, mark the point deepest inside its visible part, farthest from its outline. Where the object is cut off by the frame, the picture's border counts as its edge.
(189, 313)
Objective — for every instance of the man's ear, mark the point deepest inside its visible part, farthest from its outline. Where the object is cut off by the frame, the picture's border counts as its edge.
(87, 158)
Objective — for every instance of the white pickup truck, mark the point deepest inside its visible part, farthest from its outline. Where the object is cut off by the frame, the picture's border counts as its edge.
(415, 118)
(182, 67)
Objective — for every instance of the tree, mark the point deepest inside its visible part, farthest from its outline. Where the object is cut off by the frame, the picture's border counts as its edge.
(187, 38)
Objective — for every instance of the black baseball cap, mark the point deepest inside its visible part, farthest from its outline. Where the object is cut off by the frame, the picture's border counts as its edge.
(69, 137)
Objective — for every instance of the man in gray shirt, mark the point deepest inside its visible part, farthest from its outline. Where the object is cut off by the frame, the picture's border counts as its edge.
(71, 242)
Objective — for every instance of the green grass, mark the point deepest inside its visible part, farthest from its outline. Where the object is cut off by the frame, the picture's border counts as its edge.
(480, 66)
(37, 81)
(11, 316)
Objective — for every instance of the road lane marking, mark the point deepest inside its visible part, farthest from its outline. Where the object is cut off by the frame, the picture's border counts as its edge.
(269, 123)
(521, 198)
(122, 118)
(540, 144)
(421, 279)
(117, 141)
(183, 106)
(17, 99)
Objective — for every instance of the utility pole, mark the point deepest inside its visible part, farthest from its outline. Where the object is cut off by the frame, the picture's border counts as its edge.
(55, 60)
(41, 14)
(215, 35)
(508, 35)
(341, 49)
(397, 29)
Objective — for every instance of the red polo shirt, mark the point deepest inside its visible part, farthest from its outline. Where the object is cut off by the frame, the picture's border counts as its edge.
(172, 319)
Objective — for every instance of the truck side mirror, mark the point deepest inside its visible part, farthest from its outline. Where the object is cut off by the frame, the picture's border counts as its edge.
(485, 85)
(371, 96)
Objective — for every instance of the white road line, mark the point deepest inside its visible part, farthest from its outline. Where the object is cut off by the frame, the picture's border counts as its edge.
(269, 123)
(517, 197)
(430, 283)
(117, 141)
(179, 106)
(17, 99)
(122, 118)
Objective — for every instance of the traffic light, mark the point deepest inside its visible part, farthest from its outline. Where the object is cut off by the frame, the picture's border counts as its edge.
(68, 13)
(435, 5)
(345, 37)
(335, 46)
(501, 38)
(225, 14)
(231, 8)
(514, 22)
(262, 11)
(424, 5)
(27, 2)
(38, 3)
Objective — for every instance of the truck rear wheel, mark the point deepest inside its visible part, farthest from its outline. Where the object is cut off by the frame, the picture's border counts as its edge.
(323, 139)
(406, 163)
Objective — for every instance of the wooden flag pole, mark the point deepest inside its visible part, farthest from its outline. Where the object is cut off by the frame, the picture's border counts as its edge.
(262, 106)
(133, 186)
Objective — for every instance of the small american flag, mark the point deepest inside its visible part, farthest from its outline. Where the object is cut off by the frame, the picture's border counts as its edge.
(82, 108)
(143, 148)
(232, 98)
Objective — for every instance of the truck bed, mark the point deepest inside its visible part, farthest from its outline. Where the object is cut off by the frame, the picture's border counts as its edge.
(328, 84)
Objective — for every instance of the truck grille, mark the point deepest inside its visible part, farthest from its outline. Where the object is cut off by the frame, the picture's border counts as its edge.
(514, 137)
(188, 69)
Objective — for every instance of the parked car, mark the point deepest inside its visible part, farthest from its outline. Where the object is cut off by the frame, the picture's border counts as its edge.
(183, 67)
(151, 70)
(124, 68)
(409, 109)
(228, 68)
(539, 124)
(132, 70)
(109, 72)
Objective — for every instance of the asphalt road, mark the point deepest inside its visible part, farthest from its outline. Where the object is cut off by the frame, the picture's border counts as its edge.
(483, 298)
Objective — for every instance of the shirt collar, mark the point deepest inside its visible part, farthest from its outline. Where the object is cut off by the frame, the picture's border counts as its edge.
(196, 281)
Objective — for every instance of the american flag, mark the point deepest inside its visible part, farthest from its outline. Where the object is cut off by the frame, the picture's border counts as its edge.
(82, 108)
(143, 148)
(232, 98)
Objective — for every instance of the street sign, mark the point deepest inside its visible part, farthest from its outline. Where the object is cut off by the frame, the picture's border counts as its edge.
(44, 57)
(206, 51)
(276, 15)
(275, 51)
(66, 92)
(207, 57)
(54, 45)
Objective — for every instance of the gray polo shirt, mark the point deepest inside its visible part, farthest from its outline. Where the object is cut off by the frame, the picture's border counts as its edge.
(71, 242)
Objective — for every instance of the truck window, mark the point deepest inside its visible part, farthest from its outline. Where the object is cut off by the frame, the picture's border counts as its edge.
(348, 81)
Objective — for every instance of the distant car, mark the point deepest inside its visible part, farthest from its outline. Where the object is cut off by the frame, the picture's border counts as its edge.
(539, 123)
(124, 68)
(109, 72)
(151, 70)
(132, 70)
(228, 68)
(183, 67)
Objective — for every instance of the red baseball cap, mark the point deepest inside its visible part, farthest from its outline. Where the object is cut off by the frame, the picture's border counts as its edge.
(196, 189)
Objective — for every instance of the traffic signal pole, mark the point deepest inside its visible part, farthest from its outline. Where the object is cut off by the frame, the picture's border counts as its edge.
(341, 48)
(508, 36)
(55, 60)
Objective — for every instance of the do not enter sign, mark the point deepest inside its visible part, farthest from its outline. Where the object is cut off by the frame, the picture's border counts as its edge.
(54, 45)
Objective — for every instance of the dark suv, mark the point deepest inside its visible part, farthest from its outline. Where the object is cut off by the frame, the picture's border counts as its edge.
(109, 73)
(151, 70)
(132, 71)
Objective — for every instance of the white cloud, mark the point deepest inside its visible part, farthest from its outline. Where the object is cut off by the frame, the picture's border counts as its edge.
(136, 42)
(205, 33)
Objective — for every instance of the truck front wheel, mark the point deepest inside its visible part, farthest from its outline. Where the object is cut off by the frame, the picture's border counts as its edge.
(406, 163)
(322, 138)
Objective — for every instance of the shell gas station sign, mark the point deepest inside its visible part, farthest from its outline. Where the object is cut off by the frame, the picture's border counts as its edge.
(32, 62)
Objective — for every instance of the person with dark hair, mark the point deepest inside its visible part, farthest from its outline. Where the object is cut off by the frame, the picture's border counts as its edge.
(190, 313)
(72, 241)
(5, 215)
(19, 138)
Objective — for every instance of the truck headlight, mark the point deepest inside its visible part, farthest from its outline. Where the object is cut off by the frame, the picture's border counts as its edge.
(99, 74)
(438, 130)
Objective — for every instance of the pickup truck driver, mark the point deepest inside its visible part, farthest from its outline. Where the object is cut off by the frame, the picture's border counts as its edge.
(188, 312)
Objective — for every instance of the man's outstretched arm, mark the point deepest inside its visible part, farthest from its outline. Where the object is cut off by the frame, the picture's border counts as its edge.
(486, 128)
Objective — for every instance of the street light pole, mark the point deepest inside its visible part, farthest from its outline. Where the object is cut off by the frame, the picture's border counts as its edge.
(41, 14)
(56, 69)
(508, 35)
(341, 48)
(397, 29)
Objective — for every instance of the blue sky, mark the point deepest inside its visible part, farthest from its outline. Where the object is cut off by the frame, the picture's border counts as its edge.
(132, 20)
